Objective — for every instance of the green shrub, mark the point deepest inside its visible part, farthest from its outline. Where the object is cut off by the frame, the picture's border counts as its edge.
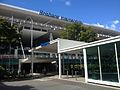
(2, 72)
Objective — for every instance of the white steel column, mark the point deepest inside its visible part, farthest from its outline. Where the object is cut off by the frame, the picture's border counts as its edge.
(19, 67)
(59, 55)
(85, 64)
(63, 63)
(117, 62)
(22, 49)
(99, 63)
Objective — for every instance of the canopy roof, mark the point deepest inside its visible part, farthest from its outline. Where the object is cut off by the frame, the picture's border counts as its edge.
(70, 46)
(92, 44)
(56, 46)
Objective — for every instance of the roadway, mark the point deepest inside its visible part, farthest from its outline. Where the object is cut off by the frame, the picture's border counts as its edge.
(51, 84)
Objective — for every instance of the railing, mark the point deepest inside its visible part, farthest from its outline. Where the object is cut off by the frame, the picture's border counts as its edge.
(48, 56)
(35, 23)
(45, 57)
(5, 56)
(28, 56)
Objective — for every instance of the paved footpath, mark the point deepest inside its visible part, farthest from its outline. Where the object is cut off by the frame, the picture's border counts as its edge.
(50, 84)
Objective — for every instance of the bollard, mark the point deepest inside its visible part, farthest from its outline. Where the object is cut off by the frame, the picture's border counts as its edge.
(67, 73)
(76, 75)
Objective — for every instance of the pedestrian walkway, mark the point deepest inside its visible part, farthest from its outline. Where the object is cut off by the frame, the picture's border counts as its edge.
(70, 78)
(43, 79)
(53, 83)
(73, 78)
(81, 80)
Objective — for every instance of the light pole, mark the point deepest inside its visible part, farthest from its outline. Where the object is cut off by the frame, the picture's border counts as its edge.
(20, 60)
(31, 28)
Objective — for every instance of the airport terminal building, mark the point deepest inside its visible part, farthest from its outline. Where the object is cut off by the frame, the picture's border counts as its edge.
(98, 61)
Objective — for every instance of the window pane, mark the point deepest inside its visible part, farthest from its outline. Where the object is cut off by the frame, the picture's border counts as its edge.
(93, 63)
(108, 63)
(118, 52)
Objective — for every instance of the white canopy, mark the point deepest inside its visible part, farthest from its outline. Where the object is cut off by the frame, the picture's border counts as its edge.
(56, 46)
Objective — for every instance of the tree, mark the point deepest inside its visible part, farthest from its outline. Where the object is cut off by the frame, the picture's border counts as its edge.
(9, 38)
(78, 32)
(2, 72)
(88, 35)
(8, 35)
(71, 31)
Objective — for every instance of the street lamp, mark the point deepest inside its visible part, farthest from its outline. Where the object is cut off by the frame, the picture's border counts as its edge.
(31, 28)
(24, 57)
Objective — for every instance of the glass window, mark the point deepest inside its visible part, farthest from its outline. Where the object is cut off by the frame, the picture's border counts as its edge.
(118, 52)
(108, 62)
(93, 63)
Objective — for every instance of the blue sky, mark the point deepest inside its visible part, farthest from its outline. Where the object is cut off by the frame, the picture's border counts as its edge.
(102, 13)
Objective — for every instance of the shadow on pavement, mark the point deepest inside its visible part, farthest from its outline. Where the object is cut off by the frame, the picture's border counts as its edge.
(26, 77)
(24, 87)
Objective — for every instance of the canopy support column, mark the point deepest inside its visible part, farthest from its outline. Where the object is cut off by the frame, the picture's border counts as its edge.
(59, 55)
(85, 64)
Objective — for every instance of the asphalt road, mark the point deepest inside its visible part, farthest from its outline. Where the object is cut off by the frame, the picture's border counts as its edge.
(49, 84)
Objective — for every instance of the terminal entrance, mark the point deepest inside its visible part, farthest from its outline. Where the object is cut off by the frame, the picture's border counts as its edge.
(72, 64)
(68, 63)
(41, 68)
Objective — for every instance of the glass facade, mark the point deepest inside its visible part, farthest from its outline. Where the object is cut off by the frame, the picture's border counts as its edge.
(102, 62)
(93, 63)
(108, 62)
(118, 53)
(72, 63)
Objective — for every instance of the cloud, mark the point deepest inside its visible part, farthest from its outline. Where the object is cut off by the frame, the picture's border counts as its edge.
(51, 1)
(107, 27)
(114, 25)
(116, 21)
(67, 3)
(98, 25)
(111, 25)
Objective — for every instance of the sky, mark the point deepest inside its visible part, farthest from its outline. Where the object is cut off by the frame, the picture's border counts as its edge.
(102, 13)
